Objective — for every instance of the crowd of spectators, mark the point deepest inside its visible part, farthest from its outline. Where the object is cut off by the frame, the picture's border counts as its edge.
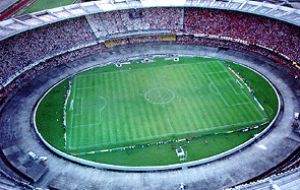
(28, 47)
(124, 21)
(239, 46)
(217, 28)
(278, 36)
(47, 65)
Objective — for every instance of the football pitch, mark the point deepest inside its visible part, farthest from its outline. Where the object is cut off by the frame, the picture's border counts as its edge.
(140, 103)
(40, 5)
(140, 111)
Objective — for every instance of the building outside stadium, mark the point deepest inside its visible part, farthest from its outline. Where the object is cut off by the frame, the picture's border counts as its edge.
(188, 87)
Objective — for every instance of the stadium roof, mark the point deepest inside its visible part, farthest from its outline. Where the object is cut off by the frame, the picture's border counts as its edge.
(14, 26)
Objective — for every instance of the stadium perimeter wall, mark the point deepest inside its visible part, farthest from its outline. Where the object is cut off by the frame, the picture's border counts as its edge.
(210, 38)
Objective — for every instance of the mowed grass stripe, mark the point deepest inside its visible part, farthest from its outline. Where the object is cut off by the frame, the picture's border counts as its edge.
(163, 125)
(78, 120)
(116, 88)
(191, 120)
(214, 101)
(86, 108)
(180, 101)
(192, 103)
(160, 127)
(122, 110)
(196, 106)
(179, 81)
(140, 116)
(98, 116)
(76, 103)
(109, 119)
(112, 80)
(84, 121)
(148, 119)
(105, 113)
(142, 113)
(188, 122)
(131, 126)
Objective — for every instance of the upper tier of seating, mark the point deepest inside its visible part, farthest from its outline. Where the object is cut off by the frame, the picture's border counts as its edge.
(27, 48)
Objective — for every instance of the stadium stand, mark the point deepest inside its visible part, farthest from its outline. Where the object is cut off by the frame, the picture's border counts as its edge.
(214, 28)
(277, 36)
(29, 167)
(287, 180)
(224, 25)
(217, 24)
(9, 7)
(121, 22)
(36, 50)
(9, 179)
(7, 4)
(42, 42)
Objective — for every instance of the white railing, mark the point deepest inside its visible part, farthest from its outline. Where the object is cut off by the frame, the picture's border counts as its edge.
(14, 26)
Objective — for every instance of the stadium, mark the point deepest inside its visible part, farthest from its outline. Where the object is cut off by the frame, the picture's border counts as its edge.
(148, 94)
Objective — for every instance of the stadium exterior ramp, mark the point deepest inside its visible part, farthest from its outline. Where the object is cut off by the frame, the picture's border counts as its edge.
(62, 174)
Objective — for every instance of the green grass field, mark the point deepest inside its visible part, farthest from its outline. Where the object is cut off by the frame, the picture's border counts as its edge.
(150, 106)
(39, 5)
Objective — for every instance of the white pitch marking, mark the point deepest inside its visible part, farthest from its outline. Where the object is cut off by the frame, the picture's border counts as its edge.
(124, 71)
(94, 146)
(73, 84)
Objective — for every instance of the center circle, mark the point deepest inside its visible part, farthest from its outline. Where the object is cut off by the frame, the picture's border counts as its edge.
(99, 102)
(159, 96)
